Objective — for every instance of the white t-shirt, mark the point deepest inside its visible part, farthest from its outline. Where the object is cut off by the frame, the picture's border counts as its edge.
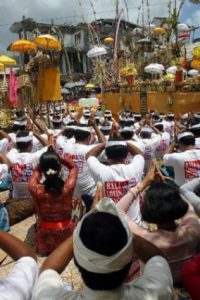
(154, 284)
(20, 282)
(186, 165)
(3, 171)
(4, 145)
(85, 184)
(150, 149)
(168, 126)
(163, 145)
(22, 168)
(197, 143)
(118, 179)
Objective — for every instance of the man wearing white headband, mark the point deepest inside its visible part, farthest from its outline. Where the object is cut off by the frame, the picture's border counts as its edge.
(103, 249)
(85, 185)
(150, 137)
(23, 161)
(186, 163)
(117, 177)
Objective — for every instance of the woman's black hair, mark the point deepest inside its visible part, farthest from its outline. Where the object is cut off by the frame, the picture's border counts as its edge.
(22, 146)
(163, 204)
(187, 140)
(103, 233)
(50, 161)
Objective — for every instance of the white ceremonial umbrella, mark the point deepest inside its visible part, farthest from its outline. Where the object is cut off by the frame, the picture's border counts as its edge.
(154, 68)
(193, 72)
(171, 70)
(96, 51)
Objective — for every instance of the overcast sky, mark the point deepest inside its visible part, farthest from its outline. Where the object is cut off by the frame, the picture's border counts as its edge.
(72, 11)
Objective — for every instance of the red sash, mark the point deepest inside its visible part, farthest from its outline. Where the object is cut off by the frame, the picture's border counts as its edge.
(56, 225)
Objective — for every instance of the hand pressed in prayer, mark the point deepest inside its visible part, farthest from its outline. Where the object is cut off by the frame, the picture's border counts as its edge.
(153, 174)
(99, 194)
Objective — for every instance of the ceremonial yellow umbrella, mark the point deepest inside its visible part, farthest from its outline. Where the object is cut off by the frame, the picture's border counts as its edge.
(195, 64)
(196, 51)
(2, 67)
(6, 60)
(23, 46)
(159, 30)
(89, 86)
(109, 40)
(47, 42)
(129, 70)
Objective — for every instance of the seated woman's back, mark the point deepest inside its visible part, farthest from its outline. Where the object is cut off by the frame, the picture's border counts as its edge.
(180, 240)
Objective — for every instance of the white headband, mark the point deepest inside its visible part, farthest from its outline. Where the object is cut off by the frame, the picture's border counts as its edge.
(21, 123)
(86, 129)
(197, 115)
(106, 127)
(98, 263)
(115, 143)
(146, 129)
(25, 139)
(125, 129)
(194, 126)
(185, 116)
(184, 134)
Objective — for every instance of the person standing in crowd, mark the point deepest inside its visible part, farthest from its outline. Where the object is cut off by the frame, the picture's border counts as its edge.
(186, 163)
(52, 200)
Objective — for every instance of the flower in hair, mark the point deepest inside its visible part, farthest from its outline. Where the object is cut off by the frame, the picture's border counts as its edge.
(51, 172)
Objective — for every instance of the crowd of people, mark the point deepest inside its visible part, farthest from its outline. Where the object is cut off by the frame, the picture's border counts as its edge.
(119, 196)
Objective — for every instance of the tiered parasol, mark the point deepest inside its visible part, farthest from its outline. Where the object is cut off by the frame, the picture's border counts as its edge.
(47, 42)
(23, 46)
